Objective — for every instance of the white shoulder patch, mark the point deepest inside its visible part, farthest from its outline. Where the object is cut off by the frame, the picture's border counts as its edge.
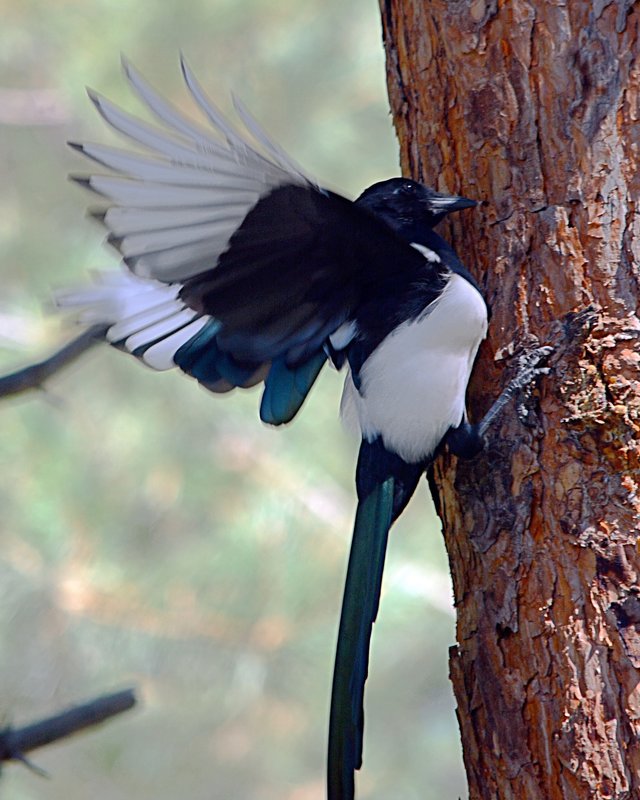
(434, 258)
(343, 335)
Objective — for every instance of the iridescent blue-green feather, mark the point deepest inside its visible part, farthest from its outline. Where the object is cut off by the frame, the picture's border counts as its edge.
(197, 356)
(385, 484)
(359, 610)
(202, 358)
(286, 388)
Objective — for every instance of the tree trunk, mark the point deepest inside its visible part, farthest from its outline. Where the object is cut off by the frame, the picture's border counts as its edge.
(534, 108)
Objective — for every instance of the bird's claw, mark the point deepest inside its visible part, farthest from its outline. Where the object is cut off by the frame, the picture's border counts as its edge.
(528, 370)
(529, 367)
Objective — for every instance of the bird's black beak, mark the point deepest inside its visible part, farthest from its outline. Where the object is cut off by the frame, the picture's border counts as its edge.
(445, 203)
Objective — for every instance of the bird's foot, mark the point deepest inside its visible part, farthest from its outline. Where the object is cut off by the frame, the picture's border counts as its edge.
(529, 368)
(468, 440)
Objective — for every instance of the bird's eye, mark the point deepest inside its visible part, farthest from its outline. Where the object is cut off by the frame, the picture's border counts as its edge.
(409, 188)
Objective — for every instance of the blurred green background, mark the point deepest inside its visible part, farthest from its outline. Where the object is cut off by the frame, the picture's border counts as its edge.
(152, 534)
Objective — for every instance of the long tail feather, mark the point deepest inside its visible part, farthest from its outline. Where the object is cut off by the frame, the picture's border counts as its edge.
(385, 485)
(359, 609)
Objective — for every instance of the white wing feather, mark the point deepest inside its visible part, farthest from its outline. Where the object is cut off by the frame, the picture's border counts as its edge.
(173, 209)
(145, 314)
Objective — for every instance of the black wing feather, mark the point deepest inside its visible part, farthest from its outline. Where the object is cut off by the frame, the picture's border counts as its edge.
(301, 263)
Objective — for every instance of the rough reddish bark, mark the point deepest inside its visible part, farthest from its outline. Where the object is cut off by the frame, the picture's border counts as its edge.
(533, 106)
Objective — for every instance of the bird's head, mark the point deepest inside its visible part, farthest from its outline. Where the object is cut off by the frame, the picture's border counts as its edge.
(407, 205)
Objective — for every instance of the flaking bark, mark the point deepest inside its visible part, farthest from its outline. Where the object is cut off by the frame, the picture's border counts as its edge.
(534, 108)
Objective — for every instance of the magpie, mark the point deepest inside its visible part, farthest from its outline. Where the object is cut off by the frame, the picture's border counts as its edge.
(241, 270)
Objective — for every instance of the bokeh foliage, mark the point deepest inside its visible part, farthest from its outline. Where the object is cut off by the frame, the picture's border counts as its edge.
(156, 535)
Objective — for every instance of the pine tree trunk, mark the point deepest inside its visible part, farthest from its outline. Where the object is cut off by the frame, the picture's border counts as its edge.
(534, 107)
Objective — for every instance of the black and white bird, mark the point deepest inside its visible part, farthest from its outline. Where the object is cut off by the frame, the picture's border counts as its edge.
(240, 270)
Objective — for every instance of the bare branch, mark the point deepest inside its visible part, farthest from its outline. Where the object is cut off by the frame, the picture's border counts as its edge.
(35, 375)
(14, 743)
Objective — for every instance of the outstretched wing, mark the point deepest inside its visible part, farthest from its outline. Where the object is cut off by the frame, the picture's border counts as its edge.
(301, 264)
(241, 268)
(173, 209)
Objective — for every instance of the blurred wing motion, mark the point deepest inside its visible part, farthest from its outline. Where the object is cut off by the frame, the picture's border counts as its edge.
(174, 211)
(239, 267)
(171, 213)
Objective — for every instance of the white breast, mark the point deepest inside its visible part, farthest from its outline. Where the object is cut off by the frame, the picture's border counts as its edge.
(413, 385)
